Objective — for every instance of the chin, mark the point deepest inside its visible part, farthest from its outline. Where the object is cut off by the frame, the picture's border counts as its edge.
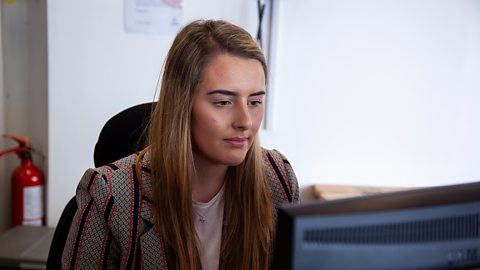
(234, 160)
(234, 164)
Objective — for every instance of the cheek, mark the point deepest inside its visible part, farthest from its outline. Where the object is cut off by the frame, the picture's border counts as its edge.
(257, 118)
(205, 125)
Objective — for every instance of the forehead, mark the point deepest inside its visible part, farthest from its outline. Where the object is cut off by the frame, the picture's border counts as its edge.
(230, 72)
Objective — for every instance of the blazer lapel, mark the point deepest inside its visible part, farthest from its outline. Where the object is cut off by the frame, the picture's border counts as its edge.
(151, 247)
(152, 251)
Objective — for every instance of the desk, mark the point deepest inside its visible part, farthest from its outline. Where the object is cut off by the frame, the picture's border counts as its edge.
(25, 247)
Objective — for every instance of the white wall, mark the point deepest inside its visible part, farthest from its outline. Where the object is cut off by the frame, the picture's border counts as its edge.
(97, 70)
(378, 92)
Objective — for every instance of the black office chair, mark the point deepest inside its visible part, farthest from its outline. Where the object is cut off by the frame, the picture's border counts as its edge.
(122, 135)
(54, 260)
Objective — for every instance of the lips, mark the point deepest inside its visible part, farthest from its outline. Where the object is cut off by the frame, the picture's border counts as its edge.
(236, 142)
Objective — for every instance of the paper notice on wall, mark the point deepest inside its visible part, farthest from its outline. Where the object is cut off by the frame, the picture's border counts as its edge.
(161, 17)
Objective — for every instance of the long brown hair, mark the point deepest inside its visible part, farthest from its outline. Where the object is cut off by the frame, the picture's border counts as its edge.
(248, 205)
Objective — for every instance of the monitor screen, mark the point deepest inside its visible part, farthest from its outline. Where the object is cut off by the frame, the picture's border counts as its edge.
(428, 228)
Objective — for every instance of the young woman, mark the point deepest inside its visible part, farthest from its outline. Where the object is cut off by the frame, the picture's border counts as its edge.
(203, 194)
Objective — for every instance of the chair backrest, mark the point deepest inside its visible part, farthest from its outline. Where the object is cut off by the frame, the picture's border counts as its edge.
(54, 260)
(122, 135)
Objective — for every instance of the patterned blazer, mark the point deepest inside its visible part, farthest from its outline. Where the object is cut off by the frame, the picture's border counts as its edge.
(113, 226)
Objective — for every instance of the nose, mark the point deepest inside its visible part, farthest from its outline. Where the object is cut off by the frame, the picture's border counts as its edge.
(243, 119)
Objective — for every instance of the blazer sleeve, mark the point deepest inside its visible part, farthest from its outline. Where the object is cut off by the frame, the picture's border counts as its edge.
(291, 177)
(90, 243)
(280, 172)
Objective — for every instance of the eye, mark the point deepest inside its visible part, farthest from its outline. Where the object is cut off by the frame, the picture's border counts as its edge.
(222, 103)
(255, 103)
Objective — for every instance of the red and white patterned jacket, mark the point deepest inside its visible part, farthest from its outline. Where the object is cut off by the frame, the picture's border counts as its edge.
(113, 226)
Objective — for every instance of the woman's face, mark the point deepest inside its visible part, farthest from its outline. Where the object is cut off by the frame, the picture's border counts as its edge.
(228, 107)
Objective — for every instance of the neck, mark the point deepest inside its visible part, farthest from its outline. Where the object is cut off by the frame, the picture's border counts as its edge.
(207, 181)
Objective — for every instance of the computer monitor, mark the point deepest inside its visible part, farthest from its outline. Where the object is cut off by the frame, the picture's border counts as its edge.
(428, 228)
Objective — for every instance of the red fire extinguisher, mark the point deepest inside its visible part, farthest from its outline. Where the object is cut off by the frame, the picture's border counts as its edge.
(27, 187)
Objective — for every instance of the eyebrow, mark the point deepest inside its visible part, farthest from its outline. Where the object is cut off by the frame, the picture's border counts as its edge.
(231, 93)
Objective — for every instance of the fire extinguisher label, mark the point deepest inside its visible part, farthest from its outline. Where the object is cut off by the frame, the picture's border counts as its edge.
(33, 205)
